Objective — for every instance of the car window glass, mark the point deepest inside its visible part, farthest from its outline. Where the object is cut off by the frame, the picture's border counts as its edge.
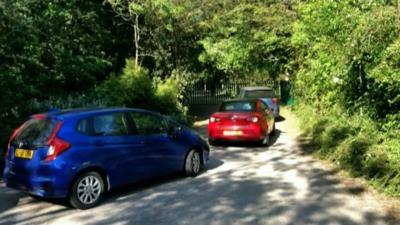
(83, 126)
(259, 94)
(104, 125)
(264, 107)
(239, 106)
(146, 123)
(112, 124)
(35, 132)
(241, 94)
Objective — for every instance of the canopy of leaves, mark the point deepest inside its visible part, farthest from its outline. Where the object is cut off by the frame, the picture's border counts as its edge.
(250, 37)
(344, 52)
(53, 48)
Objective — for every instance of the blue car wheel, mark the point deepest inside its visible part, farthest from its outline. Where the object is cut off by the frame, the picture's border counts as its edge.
(87, 191)
(193, 163)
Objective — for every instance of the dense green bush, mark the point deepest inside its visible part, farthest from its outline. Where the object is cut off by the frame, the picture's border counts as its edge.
(356, 144)
(333, 135)
(51, 52)
(350, 153)
(347, 83)
(135, 88)
(168, 96)
(348, 56)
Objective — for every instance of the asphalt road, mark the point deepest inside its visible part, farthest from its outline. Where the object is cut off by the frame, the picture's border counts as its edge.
(279, 184)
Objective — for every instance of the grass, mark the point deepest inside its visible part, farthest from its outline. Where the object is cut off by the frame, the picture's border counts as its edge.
(355, 144)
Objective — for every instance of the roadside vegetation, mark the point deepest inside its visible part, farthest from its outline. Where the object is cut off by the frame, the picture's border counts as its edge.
(341, 57)
(347, 85)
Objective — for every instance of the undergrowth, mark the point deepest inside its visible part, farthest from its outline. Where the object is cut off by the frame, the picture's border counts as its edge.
(359, 145)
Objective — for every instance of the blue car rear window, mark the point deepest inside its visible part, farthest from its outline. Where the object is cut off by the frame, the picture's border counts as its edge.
(35, 133)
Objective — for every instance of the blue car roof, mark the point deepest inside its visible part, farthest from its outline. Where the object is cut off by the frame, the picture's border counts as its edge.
(81, 112)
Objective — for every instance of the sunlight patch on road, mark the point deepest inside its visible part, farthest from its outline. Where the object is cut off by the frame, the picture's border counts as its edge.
(200, 123)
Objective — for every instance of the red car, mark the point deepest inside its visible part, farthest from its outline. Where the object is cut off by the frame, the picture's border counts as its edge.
(242, 120)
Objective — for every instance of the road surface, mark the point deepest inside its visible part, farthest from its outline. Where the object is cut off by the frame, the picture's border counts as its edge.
(279, 184)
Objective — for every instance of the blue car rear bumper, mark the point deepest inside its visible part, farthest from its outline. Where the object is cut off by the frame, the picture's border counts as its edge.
(35, 184)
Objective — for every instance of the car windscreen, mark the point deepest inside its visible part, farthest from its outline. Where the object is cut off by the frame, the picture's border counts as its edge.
(238, 106)
(259, 94)
(34, 133)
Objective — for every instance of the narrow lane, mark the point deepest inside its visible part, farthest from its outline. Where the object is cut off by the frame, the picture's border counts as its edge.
(241, 185)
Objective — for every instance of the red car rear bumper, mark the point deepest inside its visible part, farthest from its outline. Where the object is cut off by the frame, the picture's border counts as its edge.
(235, 133)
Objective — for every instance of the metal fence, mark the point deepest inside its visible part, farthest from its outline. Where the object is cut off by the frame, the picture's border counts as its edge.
(210, 93)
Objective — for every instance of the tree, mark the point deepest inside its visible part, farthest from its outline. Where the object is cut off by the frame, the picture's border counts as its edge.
(49, 49)
(130, 11)
(250, 38)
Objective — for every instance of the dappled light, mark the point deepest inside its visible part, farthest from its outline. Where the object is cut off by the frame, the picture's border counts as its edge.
(240, 185)
(294, 104)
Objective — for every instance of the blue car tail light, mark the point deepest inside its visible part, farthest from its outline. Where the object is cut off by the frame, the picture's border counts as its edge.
(56, 144)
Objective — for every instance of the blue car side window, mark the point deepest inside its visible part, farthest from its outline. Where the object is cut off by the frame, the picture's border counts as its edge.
(146, 123)
(104, 125)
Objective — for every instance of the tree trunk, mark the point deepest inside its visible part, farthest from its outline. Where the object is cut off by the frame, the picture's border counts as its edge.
(136, 31)
(398, 7)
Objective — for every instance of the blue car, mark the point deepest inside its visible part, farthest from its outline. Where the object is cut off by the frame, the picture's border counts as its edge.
(80, 154)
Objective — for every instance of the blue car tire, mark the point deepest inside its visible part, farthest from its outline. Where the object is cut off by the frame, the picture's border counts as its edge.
(87, 191)
(193, 163)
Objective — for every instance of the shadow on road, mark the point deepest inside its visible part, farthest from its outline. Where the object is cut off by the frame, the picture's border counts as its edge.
(241, 185)
(8, 197)
(153, 183)
(280, 118)
(33, 208)
(245, 144)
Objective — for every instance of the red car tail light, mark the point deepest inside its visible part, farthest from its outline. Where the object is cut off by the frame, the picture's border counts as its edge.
(253, 119)
(214, 119)
(56, 145)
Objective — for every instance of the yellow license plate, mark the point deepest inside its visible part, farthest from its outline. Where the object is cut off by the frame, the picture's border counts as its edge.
(232, 132)
(23, 153)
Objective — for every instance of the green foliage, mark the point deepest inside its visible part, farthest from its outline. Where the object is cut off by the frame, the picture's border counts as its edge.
(50, 50)
(248, 38)
(333, 135)
(376, 31)
(133, 88)
(350, 153)
(348, 72)
(356, 144)
(169, 97)
(386, 77)
(89, 98)
(342, 57)
(345, 53)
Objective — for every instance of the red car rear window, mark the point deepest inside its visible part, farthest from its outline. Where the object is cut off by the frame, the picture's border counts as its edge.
(238, 106)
